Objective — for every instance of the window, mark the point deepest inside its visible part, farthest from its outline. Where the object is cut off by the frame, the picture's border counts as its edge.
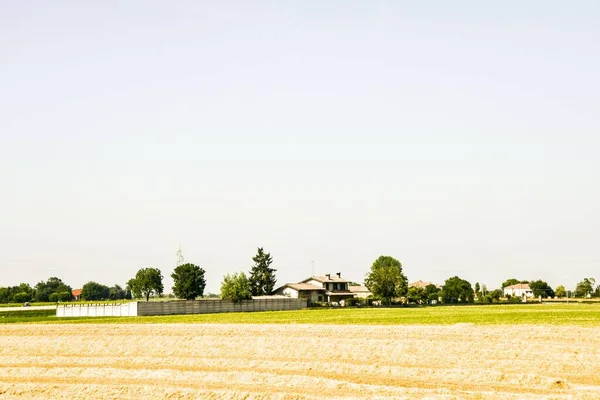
(320, 298)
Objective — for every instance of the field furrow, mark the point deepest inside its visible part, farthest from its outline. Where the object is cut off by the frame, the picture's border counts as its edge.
(299, 361)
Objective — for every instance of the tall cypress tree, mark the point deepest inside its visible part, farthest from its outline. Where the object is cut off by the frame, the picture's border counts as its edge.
(262, 276)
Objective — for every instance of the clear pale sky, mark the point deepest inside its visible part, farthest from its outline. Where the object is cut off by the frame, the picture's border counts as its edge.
(462, 138)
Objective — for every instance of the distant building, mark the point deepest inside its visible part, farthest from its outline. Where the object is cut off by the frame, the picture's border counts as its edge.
(423, 284)
(326, 288)
(519, 290)
(76, 294)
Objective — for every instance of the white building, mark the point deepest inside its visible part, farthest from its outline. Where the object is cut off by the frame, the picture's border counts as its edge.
(519, 290)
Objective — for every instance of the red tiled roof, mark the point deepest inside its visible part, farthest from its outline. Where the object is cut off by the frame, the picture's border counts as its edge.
(76, 292)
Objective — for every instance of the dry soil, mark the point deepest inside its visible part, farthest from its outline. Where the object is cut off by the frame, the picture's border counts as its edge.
(298, 362)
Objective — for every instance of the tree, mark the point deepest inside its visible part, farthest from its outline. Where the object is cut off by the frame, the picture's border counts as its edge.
(432, 292)
(560, 291)
(585, 288)
(262, 276)
(386, 280)
(477, 288)
(65, 296)
(94, 291)
(495, 294)
(491, 296)
(236, 288)
(147, 281)
(16, 294)
(457, 290)
(116, 292)
(416, 295)
(21, 297)
(43, 290)
(189, 281)
(541, 288)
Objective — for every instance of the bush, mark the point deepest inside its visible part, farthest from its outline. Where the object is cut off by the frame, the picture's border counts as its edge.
(515, 300)
(65, 296)
(353, 302)
(22, 297)
(53, 297)
(364, 302)
(236, 288)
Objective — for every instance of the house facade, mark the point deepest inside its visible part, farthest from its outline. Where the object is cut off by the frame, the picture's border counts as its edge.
(328, 288)
(302, 291)
(519, 290)
(361, 292)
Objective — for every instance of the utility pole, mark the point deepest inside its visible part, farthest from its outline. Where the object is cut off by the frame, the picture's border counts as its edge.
(179, 257)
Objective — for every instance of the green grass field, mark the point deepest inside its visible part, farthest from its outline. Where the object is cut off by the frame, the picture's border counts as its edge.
(538, 314)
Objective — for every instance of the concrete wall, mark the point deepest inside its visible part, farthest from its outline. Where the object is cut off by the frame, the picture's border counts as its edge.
(218, 306)
(97, 310)
(177, 307)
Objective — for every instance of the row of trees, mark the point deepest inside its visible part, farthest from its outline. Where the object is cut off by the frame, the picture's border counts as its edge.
(260, 282)
(97, 291)
(387, 282)
(586, 288)
(54, 289)
(189, 281)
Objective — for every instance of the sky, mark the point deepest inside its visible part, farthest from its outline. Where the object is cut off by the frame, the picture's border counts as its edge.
(461, 138)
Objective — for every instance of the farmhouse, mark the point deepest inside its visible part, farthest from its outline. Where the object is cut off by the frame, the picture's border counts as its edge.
(76, 294)
(326, 288)
(519, 290)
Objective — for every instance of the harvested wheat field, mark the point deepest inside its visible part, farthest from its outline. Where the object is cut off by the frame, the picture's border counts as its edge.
(184, 361)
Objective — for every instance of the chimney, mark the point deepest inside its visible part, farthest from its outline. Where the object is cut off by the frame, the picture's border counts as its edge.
(339, 274)
(328, 276)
